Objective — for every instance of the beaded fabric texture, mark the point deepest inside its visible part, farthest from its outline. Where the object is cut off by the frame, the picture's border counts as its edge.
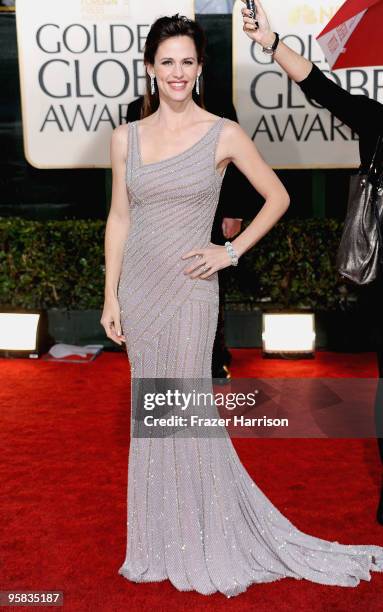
(195, 516)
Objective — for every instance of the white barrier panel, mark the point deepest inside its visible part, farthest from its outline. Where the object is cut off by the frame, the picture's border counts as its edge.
(81, 63)
(289, 131)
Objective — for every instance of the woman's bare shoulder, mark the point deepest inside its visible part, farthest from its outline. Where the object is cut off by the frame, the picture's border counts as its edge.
(232, 129)
(234, 140)
(120, 132)
(208, 117)
(119, 141)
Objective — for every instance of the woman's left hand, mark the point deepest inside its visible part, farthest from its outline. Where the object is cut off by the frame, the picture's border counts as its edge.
(208, 261)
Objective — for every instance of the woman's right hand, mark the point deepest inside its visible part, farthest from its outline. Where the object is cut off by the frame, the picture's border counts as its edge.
(263, 35)
(110, 320)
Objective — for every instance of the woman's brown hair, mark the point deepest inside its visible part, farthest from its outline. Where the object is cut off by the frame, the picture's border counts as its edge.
(161, 30)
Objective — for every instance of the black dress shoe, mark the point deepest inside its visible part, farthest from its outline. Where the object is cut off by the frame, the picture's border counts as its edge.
(221, 374)
(379, 513)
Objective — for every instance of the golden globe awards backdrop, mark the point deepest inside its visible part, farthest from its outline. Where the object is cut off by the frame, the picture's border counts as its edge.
(81, 63)
(290, 131)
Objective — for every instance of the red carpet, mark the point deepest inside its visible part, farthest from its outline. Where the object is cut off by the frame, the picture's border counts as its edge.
(64, 469)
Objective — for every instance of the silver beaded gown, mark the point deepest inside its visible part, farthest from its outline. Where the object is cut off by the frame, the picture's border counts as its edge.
(195, 516)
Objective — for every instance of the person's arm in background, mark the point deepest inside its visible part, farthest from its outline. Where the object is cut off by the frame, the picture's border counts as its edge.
(359, 112)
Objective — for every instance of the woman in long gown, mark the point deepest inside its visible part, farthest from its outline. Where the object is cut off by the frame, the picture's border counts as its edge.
(195, 516)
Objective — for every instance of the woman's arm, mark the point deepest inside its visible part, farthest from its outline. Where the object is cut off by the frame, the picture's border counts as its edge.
(296, 66)
(236, 146)
(116, 232)
(359, 112)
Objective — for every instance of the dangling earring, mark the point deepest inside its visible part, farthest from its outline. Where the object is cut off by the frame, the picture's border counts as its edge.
(197, 85)
(152, 85)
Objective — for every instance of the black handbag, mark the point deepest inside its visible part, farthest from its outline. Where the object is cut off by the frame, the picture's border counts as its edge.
(360, 254)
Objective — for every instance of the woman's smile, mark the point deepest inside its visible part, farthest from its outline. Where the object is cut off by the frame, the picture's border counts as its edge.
(177, 85)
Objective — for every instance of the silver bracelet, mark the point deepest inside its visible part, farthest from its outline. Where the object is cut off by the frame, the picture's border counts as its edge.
(232, 254)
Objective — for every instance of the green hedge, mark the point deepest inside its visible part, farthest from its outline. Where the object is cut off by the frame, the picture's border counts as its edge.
(60, 264)
(47, 264)
(293, 266)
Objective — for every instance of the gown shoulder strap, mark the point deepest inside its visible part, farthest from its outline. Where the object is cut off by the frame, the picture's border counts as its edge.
(132, 159)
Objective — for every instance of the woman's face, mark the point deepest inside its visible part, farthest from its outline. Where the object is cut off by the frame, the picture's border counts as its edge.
(176, 68)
